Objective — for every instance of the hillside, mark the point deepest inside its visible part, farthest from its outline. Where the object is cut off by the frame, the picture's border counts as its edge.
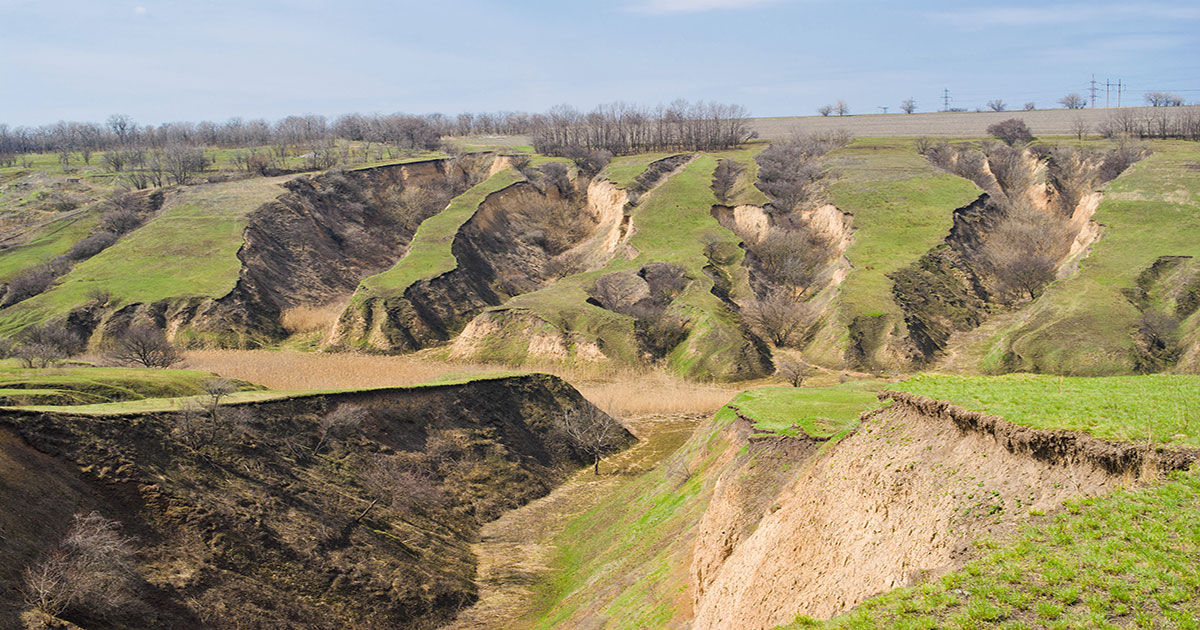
(307, 511)
(676, 260)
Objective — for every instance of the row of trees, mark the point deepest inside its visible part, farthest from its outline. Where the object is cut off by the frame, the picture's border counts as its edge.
(622, 128)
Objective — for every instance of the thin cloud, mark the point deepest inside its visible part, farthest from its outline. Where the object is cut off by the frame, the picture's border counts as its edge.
(1063, 14)
(662, 7)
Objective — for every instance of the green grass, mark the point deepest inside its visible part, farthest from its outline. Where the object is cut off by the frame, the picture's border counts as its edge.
(1159, 407)
(429, 254)
(1084, 325)
(1124, 560)
(52, 240)
(623, 170)
(249, 394)
(902, 208)
(820, 412)
(99, 385)
(190, 249)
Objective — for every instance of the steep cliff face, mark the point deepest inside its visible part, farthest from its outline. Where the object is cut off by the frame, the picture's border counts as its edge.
(277, 516)
(898, 500)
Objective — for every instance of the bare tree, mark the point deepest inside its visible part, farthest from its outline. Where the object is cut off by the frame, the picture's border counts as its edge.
(997, 105)
(841, 108)
(92, 570)
(779, 317)
(1073, 101)
(1080, 127)
(217, 389)
(908, 106)
(146, 345)
(825, 110)
(27, 284)
(795, 372)
(1030, 106)
(1163, 99)
(42, 345)
(592, 431)
(120, 220)
(1012, 131)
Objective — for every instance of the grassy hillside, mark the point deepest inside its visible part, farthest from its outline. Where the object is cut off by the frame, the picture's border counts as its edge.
(1159, 407)
(189, 249)
(48, 241)
(1085, 325)
(98, 385)
(902, 208)
(815, 411)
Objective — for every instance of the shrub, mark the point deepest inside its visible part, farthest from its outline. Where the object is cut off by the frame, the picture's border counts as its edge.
(91, 245)
(794, 372)
(27, 284)
(120, 221)
(1012, 131)
(41, 345)
(91, 570)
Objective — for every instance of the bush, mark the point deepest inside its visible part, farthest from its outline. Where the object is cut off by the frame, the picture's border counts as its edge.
(1012, 131)
(27, 284)
(91, 570)
(41, 345)
(120, 221)
(794, 372)
(91, 245)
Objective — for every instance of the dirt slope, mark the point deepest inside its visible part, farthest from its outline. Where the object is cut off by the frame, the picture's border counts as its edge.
(899, 499)
(258, 524)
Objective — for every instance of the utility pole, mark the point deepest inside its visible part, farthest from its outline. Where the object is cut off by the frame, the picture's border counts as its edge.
(1107, 84)
(946, 99)
(1119, 87)
(1093, 90)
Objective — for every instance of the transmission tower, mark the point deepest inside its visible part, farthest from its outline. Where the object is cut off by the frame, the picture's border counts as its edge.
(946, 99)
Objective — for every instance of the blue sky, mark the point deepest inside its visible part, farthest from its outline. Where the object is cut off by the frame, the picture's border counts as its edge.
(162, 60)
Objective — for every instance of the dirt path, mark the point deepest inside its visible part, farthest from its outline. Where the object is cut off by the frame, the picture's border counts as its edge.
(514, 551)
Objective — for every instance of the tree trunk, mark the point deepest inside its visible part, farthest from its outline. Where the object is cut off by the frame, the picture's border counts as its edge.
(596, 465)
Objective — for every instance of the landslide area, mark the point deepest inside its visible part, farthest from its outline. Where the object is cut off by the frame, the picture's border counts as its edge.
(897, 501)
(333, 510)
(1031, 226)
(520, 238)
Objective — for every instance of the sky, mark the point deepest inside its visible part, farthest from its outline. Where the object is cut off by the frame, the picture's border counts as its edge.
(169, 60)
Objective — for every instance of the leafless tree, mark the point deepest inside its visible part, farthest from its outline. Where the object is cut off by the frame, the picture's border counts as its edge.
(794, 372)
(620, 290)
(1073, 101)
(997, 105)
(120, 220)
(1163, 99)
(841, 108)
(403, 484)
(779, 317)
(92, 570)
(1030, 106)
(825, 110)
(908, 106)
(41, 345)
(217, 389)
(591, 431)
(1080, 126)
(181, 162)
(791, 257)
(92, 245)
(1012, 131)
(146, 345)
(791, 173)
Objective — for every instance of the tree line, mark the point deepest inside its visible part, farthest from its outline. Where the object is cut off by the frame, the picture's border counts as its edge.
(623, 128)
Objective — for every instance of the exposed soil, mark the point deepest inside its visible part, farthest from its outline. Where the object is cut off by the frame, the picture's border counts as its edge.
(897, 501)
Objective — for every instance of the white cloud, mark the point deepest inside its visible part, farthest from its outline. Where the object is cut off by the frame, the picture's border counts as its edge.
(660, 7)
